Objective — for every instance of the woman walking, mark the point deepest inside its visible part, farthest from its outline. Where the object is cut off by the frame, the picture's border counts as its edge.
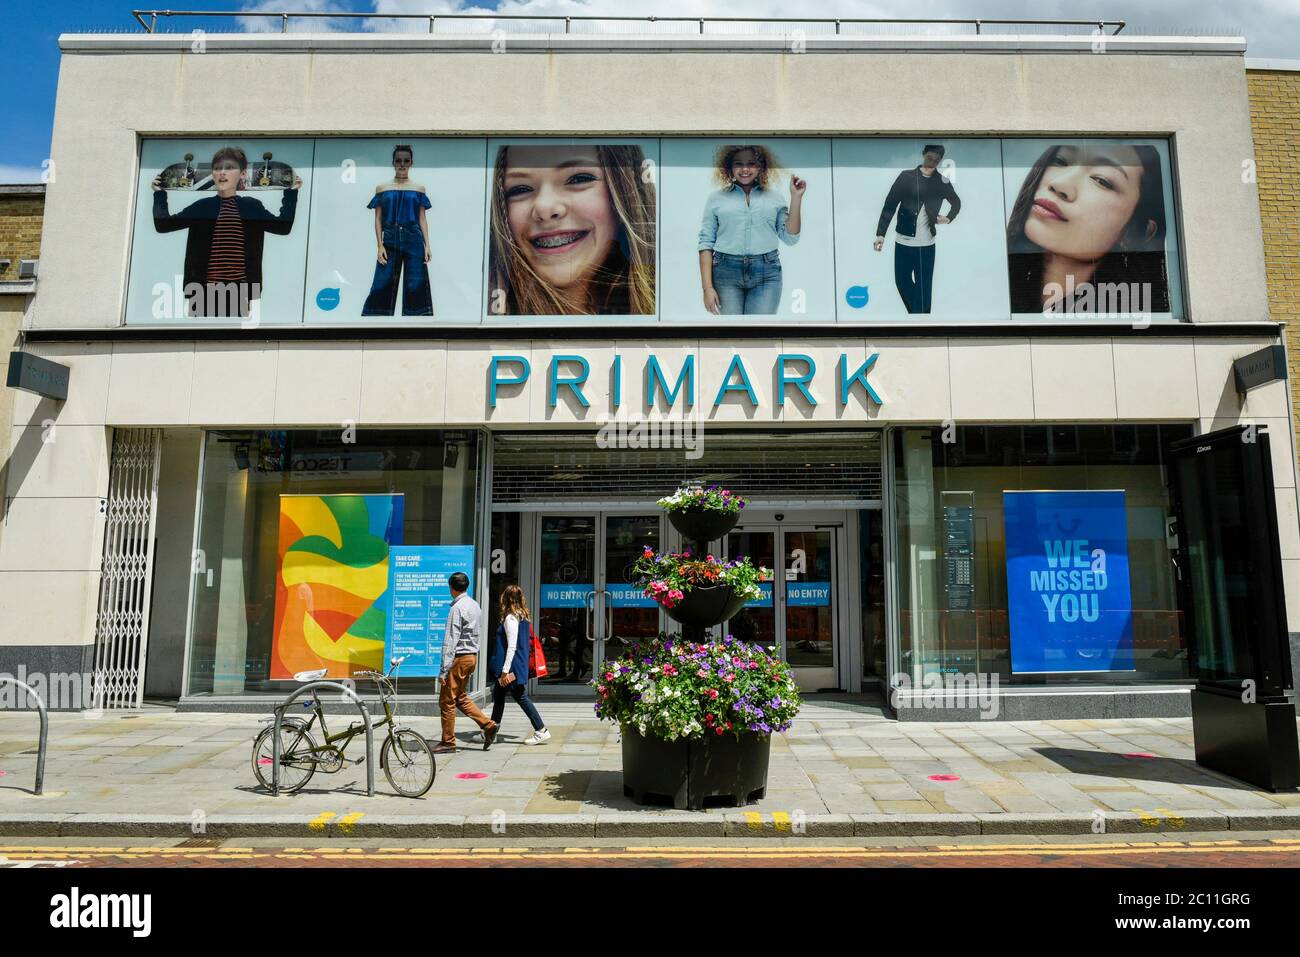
(507, 666)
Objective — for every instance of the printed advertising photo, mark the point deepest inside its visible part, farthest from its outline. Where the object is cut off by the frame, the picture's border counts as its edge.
(670, 229)
(516, 441)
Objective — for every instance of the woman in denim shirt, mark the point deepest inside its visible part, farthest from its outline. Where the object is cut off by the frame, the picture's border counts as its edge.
(744, 223)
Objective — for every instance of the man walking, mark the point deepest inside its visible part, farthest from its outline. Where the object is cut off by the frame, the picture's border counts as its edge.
(459, 658)
(917, 194)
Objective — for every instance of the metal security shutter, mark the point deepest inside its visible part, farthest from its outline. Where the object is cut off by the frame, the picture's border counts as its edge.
(811, 467)
(122, 624)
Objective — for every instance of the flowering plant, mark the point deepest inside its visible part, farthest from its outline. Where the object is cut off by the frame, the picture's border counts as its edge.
(698, 498)
(669, 688)
(667, 578)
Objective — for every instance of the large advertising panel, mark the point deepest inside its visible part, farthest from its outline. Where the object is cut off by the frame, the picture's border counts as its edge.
(920, 244)
(332, 598)
(1068, 593)
(436, 231)
(1090, 228)
(220, 231)
(397, 230)
(747, 230)
(572, 227)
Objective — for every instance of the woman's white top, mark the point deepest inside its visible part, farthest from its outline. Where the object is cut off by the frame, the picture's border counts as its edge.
(512, 640)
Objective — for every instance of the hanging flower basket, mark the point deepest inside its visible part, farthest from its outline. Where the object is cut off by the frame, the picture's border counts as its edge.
(703, 527)
(706, 607)
(675, 578)
(703, 513)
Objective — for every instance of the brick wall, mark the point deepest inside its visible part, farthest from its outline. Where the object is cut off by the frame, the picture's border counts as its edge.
(20, 230)
(1275, 117)
(20, 238)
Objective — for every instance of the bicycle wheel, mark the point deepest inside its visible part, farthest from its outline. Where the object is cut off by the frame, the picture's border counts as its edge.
(409, 767)
(296, 764)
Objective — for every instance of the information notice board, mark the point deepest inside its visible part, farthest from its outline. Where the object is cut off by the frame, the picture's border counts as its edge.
(417, 582)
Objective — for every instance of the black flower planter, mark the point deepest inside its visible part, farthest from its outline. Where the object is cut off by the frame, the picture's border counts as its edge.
(701, 526)
(706, 607)
(688, 773)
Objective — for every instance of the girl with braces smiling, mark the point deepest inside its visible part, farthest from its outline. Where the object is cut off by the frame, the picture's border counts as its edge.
(572, 231)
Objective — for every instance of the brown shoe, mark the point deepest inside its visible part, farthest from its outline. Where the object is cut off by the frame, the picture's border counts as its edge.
(443, 748)
(489, 735)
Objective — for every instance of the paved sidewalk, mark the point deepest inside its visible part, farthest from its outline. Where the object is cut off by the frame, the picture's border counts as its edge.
(843, 770)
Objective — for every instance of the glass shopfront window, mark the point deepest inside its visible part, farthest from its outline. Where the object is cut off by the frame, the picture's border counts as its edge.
(295, 530)
(1039, 554)
(503, 564)
(871, 591)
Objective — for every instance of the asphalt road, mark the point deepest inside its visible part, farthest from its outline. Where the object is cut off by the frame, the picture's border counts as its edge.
(1071, 852)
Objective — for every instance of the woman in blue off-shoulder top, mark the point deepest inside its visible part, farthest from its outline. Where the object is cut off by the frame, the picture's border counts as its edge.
(402, 234)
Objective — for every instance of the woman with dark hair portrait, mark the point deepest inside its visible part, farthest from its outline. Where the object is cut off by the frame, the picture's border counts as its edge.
(1087, 231)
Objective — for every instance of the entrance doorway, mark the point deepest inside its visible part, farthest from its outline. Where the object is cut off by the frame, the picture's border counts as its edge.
(588, 606)
(575, 566)
(798, 613)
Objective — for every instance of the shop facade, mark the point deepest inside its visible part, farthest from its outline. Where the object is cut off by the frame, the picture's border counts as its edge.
(231, 483)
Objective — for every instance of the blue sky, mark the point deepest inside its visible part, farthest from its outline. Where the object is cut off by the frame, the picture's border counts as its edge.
(29, 54)
(29, 68)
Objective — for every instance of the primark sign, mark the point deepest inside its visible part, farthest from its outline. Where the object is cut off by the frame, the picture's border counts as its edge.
(793, 374)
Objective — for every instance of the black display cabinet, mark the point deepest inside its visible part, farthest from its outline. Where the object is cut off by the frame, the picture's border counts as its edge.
(1230, 580)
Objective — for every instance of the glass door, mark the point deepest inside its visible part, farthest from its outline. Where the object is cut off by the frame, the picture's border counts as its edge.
(628, 615)
(566, 594)
(589, 606)
(808, 580)
(797, 611)
(756, 621)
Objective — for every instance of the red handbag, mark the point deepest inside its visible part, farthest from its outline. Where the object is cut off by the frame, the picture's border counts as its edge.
(536, 660)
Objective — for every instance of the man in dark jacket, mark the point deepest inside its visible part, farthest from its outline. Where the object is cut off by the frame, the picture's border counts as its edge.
(917, 194)
(223, 252)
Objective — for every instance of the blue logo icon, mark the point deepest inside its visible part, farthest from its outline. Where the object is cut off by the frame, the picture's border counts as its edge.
(327, 299)
(856, 296)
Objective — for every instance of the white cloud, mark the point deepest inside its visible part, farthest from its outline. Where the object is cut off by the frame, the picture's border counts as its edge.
(273, 24)
(1272, 27)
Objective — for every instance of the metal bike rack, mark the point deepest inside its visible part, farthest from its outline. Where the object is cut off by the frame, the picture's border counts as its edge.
(45, 727)
(279, 721)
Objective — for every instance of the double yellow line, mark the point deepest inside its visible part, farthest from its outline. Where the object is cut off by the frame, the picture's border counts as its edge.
(647, 853)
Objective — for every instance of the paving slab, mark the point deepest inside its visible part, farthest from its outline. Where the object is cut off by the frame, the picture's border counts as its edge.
(844, 771)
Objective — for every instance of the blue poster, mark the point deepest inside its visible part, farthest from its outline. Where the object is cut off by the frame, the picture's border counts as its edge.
(630, 596)
(808, 594)
(575, 596)
(564, 596)
(417, 583)
(1068, 582)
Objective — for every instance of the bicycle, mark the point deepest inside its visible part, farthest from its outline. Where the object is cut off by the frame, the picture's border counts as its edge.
(406, 757)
